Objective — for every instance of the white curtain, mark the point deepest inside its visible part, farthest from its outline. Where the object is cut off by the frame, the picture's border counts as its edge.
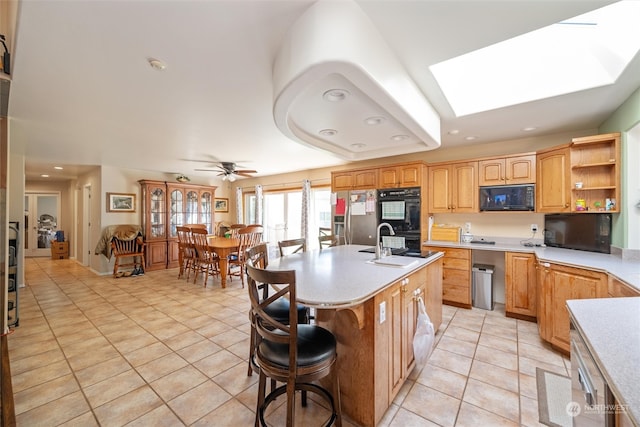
(258, 218)
(306, 208)
(239, 213)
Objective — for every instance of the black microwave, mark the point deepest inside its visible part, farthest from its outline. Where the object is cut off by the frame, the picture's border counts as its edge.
(508, 198)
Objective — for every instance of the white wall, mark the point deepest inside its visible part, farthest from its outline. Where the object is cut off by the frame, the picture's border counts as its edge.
(632, 190)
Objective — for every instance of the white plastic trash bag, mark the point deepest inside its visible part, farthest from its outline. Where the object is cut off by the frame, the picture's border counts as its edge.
(423, 338)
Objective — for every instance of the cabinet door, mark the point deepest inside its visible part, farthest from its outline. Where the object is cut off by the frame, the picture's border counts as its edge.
(205, 209)
(543, 290)
(410, 175)
(570, 283)
(617, 288)
(520, 170)
(155, 214)
(156, 253)
(520, 284)
(552, 192)
(341, 181)
(366, 179)
(396, 338)
(464, 190)
(176, 210)
(389, 177)
(439, 188)
(491, 172)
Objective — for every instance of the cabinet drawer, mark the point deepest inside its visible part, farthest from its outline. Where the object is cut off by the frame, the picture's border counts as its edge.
(452, 252)
(456, 277)
(456, 293)
(456, 264)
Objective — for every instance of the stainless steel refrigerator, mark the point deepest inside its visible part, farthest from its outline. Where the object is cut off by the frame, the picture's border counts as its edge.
(354, 216)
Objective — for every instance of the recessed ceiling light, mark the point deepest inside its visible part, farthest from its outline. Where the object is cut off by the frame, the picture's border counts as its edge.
(358, 145)
(529, 129)
(328, 132)
(399, 137)
(335, 95)
(470, 138)
(454, 132)
(156, 64)
(376, 120)
(59, 168)
(44, 175)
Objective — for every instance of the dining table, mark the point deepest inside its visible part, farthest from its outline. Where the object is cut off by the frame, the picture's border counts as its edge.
(223, 246)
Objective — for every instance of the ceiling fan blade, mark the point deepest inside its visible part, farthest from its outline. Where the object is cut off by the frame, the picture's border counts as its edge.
(238, 171)
(210, 170)
(243, 174)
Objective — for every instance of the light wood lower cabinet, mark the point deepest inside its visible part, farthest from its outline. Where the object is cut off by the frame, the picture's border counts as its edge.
(556, 285)
(456, 276)
(618, 288)
(520, 285)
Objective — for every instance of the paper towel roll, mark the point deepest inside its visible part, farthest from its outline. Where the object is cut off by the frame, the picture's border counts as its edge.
(430, 225)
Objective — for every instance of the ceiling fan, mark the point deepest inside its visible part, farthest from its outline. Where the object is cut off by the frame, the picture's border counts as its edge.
(229, 170)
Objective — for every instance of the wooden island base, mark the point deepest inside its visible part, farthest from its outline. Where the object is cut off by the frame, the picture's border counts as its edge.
(375, 355)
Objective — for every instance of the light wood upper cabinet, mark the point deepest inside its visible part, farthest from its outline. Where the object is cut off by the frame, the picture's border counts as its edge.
(399, 176)
(508, 170)
(360, 179)
(453, 187)
(553, 180)
(520, 285)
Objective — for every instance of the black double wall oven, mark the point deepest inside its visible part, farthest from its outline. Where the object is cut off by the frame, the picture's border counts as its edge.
(400, 207)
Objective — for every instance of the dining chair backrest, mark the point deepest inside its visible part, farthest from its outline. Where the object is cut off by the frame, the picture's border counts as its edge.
(327, 241)
(292, 246)
(199, 238)
(324, 231)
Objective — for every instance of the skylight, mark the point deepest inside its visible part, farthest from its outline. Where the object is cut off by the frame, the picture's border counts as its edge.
(584, 52)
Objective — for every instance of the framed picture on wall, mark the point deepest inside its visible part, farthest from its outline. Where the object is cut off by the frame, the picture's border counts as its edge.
(121, 202)
(221, 205)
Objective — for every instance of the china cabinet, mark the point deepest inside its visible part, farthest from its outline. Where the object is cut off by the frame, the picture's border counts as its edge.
(166, 206)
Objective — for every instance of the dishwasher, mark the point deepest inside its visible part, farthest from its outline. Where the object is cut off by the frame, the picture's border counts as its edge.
(592, 401)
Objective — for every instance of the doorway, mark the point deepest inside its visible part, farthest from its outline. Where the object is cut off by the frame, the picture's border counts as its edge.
(41, 219)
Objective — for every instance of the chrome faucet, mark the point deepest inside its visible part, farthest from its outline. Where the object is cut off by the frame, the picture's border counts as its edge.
(378, 242)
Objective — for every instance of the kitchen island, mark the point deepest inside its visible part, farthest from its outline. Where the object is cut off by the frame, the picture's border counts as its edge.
(372, 311)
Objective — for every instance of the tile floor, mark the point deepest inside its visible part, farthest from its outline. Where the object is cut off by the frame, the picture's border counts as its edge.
(153, 350)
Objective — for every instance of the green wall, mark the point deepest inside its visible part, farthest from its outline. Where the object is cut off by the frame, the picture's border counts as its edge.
(622, 120)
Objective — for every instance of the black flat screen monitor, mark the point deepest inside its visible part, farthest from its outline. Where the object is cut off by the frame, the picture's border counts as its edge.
(585, 231)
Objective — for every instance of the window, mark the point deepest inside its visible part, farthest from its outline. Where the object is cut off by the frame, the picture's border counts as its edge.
(282, 214)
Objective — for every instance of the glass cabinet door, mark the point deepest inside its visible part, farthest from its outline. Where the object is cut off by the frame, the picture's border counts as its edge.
(157, 212)
(176, 212)
(192, 207)
(205, 210)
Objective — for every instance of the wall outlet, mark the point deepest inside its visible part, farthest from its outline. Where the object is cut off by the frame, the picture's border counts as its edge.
(383, 311)
(467, 227)
(534, 228)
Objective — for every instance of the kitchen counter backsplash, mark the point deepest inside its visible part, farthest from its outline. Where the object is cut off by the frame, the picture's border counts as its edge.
(625, 269)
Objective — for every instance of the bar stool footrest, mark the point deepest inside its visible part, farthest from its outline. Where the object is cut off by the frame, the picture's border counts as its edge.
(304, 387)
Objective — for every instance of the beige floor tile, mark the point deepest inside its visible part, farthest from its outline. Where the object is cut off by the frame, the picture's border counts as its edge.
(443, 380)
(495, 375)
(113, 387)
(160, 367)
(464, 348)
(528, 367)
(431, 404)
(528, 386)
(217, 363)
(229, 337)
(540, 353)
(499, 343)
(86, 419)
(529, 412)
(40, 375)
(184, 340)
(146, 354)
(472, 416)
(497, 357)
(34, 362)
(493, 399)
(92, 357)
(44, 393)
(451, 361)
(161, 416)
(235, 379)
(128, 407)
(199, 351)
(63, 410)
(462, 334)
(500, 331)
(199, 401)
(178, 382)
(404, 418)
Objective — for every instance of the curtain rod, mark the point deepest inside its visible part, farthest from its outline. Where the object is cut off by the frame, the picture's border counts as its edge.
(287, 184)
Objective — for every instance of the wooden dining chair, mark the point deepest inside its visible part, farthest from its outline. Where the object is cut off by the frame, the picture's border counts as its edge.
(186, 250)
(297, 355)
(206, 260)
(134, 249)
(324, 231)
(327, 241)
(292, 246)
(234, 229)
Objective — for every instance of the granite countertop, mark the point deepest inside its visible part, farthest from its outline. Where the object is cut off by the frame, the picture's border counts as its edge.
(626, 270)
(340, 276)
(611, 330)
